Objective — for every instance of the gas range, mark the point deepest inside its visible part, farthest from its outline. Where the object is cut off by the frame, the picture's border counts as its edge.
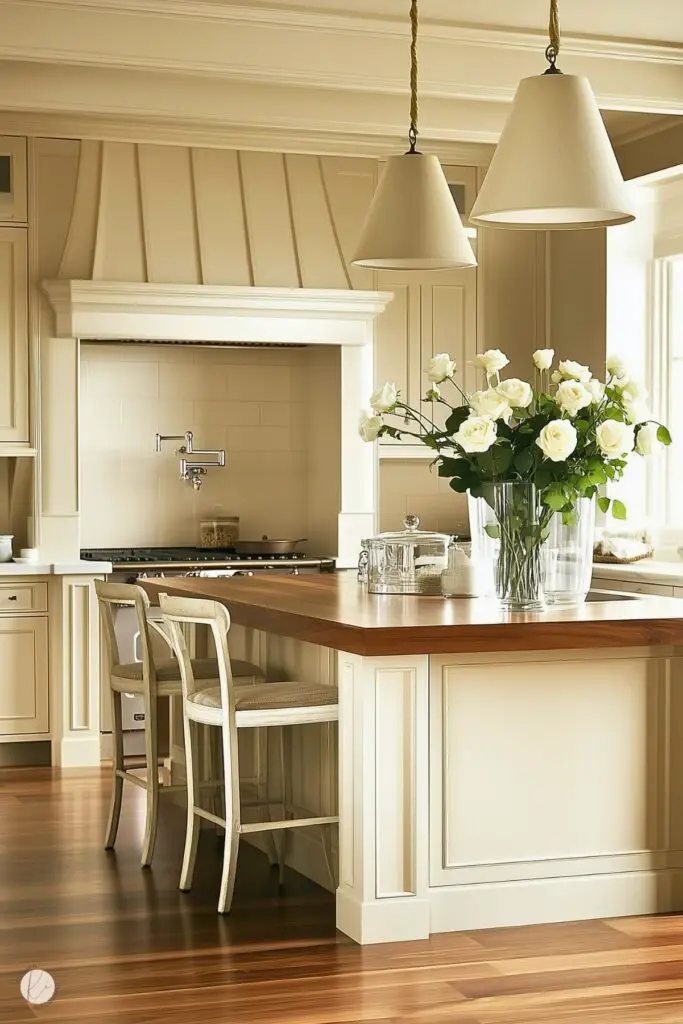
(182, 561)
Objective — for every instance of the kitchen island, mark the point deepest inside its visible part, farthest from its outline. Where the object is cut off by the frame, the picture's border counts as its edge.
(494, 769)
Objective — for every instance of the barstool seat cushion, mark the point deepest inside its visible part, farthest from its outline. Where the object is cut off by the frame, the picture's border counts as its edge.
(269, 696)
(202, 668)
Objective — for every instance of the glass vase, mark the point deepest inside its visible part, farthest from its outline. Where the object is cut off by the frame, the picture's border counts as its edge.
(568, 556)
(509, 526)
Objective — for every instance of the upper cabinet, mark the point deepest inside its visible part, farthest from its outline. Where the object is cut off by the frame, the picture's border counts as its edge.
(432, 311)
(13, 207)
(14, 422)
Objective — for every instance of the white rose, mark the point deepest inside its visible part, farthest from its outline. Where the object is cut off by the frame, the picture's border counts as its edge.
(617, 367)
(597, 390)
(490, 403)
(615, 438)
(543, 358)
(574, 371)
(571, 396)
(633, 391)
(369, 426)
(440, 367)
(493, 361)
(637, 412)
(557, 440)
(556, 377)
(476, 434)
(383, 399)
(517, 392)
(647, 441)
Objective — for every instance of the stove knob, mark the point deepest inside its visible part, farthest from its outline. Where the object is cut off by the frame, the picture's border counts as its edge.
(294, 572)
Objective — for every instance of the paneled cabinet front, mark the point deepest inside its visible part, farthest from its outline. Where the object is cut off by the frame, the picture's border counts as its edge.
(23, 675)
(14, 383)
(430, 313)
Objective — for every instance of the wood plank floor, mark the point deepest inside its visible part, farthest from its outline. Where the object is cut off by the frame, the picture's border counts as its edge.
(125, 946)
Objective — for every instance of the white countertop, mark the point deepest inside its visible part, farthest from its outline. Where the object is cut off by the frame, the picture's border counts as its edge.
(55, 569)
(650, 570)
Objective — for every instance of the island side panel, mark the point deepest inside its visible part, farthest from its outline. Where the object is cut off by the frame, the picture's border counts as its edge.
(556, 787)
(383, 809)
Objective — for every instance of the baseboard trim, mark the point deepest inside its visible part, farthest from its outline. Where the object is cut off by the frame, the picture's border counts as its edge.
(551, 900)
(403, 919)
(76, 752)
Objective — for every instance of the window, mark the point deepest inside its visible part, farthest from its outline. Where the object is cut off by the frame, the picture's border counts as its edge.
(666, 489)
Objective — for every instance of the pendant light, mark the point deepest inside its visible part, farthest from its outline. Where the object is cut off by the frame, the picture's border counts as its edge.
(413, 222)
(554, 166)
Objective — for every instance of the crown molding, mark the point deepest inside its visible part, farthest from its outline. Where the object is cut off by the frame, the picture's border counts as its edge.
(496, 36)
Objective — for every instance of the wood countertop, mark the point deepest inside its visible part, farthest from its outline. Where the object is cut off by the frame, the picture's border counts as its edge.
(335, 611)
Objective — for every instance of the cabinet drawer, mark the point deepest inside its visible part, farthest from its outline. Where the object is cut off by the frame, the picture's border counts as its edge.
(23, 675)
(632, 587)
(23, 597)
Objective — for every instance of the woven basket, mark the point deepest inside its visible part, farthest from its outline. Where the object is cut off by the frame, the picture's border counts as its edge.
(613, 560)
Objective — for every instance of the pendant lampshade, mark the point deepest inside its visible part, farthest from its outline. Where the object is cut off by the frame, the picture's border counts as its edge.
(554, 166)
(413, 222)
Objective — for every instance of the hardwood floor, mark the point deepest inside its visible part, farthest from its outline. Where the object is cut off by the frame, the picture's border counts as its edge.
(125, 947)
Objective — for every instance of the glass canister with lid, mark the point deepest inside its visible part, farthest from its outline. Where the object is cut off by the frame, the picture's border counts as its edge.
(409, 561)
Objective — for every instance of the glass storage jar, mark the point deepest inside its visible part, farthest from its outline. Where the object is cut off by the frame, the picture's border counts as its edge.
(219, 532)
(406, 562)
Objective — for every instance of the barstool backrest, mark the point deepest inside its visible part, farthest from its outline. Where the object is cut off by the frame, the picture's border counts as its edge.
(179, 611)
(113, 595)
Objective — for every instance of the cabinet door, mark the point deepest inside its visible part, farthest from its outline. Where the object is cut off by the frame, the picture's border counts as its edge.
(429, 313)
(13, 208)
(13, 337)
(23, 676)
(449, 324)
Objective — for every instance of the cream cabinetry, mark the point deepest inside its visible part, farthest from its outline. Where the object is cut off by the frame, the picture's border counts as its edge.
(13, 204)
(23, 672)
(430, 313)
(14, 373)
(636, 586)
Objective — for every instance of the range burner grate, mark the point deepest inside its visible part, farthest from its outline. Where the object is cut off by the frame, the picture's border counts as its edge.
(157, 556)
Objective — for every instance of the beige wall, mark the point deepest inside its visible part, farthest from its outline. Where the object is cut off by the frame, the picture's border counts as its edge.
(249, 402)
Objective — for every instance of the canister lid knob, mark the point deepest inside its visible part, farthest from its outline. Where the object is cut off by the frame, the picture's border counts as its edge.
(411, 522)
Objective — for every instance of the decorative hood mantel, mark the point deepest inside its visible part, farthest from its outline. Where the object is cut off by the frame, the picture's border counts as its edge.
(117, 310)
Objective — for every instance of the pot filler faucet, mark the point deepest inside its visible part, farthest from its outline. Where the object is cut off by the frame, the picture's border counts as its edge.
(191, 469)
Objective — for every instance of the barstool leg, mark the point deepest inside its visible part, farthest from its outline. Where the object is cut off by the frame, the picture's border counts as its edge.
(152, 759)
(286, 783)
(117, 756)
(192, 828)
(326, 830)
(233, 818)
(263, 786)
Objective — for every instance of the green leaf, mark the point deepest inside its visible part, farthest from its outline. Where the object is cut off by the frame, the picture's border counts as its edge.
(496, 460)
(458, 484)
(663, 435)
(569, 518)
(554, 498)
(604, 504)
(618, 509)
(597, 475)
(456, 419)
(492, 530)
(453, 467)
(524, 461)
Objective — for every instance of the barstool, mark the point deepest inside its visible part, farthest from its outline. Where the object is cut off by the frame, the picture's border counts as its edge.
(229, 708)
(150, 680)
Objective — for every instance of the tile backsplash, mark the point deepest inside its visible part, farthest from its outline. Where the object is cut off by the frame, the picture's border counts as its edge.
(248, 401)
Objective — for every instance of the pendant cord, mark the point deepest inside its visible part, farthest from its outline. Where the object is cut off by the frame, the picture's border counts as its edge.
(553, 50)
(412, 133)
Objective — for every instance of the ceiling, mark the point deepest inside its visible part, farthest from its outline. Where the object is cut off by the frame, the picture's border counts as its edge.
(327, 75)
